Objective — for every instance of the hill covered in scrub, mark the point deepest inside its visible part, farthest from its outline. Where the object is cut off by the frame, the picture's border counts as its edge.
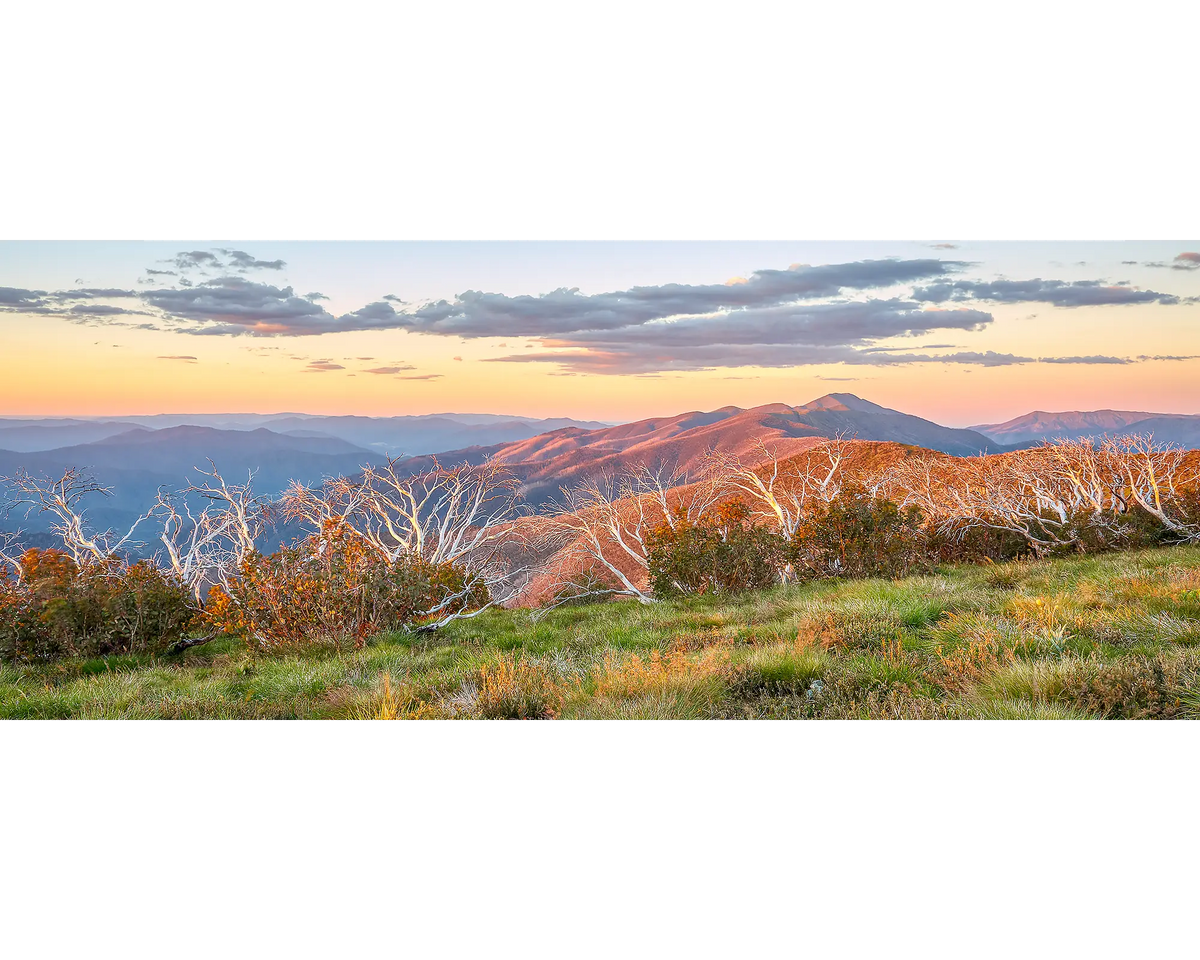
(1107, 636)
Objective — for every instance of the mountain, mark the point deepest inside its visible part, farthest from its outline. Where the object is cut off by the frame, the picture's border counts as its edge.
(32, 435)
(140, 461)
(396, 436)
(1180, 429)
(562, 457)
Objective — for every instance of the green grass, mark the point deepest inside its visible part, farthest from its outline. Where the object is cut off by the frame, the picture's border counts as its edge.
(1116, 635)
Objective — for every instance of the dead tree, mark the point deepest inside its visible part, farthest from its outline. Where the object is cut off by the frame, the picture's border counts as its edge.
(1154, 479)
(11, 549)
(63, 500)
(602, 526)
(210, 546)
(783, 491)
(458, 516)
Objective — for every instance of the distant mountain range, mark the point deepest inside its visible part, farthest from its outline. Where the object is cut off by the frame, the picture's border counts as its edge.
(397, 436)
(138, 455)
(1169, 428)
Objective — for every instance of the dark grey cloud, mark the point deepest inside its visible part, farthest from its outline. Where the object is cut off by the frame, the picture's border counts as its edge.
(314, 296)
(150, 271)
(102, 310)
(68, 304)
(196, 259)
(241, 261)
(15, 298)
(95, 293)
(845, 323)
(1061, 293)
(392, 297)
(566, 310)
(233, 305)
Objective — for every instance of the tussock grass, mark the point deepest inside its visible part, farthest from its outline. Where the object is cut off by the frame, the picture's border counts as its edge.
(1115, 635)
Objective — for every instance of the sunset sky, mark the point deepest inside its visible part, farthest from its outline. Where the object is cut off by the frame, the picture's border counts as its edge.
(960, 333)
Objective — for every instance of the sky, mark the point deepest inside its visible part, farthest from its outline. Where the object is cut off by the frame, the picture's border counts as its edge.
(958, 332)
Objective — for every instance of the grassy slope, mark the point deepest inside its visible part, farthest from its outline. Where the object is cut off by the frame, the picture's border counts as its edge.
(1115, 635)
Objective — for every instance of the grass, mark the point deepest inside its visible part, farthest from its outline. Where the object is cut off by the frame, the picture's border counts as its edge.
(1114, 635)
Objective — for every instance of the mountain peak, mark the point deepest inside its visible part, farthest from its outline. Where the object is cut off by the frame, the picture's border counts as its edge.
(844, 401)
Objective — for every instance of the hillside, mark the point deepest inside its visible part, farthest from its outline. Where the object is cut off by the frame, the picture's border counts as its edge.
(563, 457)
(1106, 636)
(1179, 429)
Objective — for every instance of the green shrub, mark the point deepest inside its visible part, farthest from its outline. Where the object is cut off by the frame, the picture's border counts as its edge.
(59, 609)
(727, 554)
(859, 535)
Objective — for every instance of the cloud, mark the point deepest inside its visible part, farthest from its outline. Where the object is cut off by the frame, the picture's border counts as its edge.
(567, 311)
(383, 371)
(17, 299)
(422, 376)
(322, 366)
(700, 358)
(392, 297)
(160, 273)
(68, 304)
(1061, 293)
(241, 261)
(195, 259)
(315, 296)
(1084, 360)
(188, 359)
(944, 246)
(1186, 261)
(232, 305)
(1191, 357)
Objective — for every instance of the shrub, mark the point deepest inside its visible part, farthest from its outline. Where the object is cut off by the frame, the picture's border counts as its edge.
(975, 545)
(332, 590)
(724, 555)
(59, 609)
(859, 535)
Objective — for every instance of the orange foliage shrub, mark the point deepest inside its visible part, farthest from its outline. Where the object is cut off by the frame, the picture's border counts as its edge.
(333, 589)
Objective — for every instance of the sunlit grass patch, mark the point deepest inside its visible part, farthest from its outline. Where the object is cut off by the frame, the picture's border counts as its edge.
(784, 667)
(1038, 680)
(1023, 710)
